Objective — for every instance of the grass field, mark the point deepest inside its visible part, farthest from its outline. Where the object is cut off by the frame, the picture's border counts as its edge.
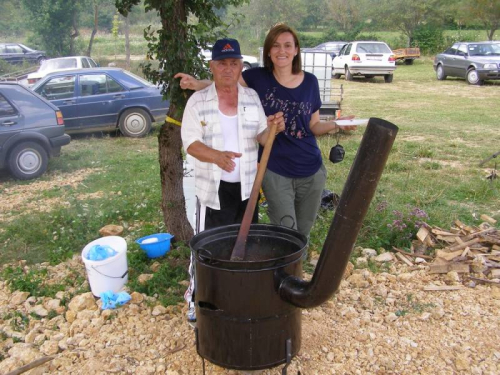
(446, 129)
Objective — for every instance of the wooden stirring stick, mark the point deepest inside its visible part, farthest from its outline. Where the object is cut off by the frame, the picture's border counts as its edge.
(241, 241)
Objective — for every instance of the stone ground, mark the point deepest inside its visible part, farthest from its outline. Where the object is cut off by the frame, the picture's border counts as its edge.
(382, 323)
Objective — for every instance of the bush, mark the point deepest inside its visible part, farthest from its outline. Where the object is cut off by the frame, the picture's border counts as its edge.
(429, 39)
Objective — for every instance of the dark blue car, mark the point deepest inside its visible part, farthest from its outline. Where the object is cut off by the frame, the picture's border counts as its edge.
(31, 131)
(104, 99)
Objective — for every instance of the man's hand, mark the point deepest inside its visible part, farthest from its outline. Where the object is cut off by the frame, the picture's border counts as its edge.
(224, 160)
(187, 82)
(277, 119)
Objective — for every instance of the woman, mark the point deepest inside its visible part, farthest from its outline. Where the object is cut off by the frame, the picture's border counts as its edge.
(295, 175)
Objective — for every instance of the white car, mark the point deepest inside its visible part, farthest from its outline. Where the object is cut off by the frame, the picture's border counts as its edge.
(248, 61)
(61, 63)
(368, 59)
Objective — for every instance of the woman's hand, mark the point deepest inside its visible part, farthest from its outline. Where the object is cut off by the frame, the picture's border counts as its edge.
(278, 120)
(348, 128)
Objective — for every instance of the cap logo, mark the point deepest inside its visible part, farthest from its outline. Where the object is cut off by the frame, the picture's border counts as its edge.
(227, 48)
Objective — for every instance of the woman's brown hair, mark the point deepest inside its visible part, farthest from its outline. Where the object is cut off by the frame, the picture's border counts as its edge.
(271, 37)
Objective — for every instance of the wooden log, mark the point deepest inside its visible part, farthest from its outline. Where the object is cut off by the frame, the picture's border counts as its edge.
(479, 233)
(442, 288)
(404, 259)
(448, 255)
(486, 281)
(465, 252)
(445, 268)
(464, 245)
(488, 219)
(31, 365)
(412, 254)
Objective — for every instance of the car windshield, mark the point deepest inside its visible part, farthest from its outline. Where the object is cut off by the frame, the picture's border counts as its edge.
(484, 49)
(27, 48)
(58, 64)
(372, 48)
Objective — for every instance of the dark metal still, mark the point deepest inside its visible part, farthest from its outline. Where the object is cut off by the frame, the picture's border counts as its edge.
(242, 323)
(248, 312)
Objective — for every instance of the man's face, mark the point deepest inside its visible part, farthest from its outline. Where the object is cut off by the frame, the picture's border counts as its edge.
(226, 72)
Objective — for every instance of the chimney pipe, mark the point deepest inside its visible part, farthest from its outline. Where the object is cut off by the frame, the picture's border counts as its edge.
(354, 203)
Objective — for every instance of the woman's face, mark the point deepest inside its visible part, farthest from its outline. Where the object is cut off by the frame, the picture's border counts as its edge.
(283, 50)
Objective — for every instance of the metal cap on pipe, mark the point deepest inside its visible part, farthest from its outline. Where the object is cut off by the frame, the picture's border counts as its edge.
(354, 203)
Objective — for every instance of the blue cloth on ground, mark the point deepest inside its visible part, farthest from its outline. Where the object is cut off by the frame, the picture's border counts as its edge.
(112, 300)
(101, 252)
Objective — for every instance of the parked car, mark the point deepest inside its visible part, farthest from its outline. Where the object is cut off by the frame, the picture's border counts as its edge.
(104, 99)
(16, 53)
(474, 61)
(366, 59)
(59, 64)
(333, 48)
(31, 131)
(248, 61)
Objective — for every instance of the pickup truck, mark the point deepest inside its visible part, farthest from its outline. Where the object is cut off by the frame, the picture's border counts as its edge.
(407, 54)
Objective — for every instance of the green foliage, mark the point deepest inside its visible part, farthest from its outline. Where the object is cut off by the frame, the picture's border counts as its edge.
(413, 306)
(165, 282)
(177, 44)
(429, 39)
(31, 281)
(52, 22)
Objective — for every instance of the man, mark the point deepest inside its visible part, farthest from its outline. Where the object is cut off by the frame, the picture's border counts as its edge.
(221, 127)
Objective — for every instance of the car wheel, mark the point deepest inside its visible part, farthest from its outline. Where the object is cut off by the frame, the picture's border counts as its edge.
(348, 75)
(388, 78)
(246, 66)
(135, 122)
(28, 160)
(473, 77)
(440, 73)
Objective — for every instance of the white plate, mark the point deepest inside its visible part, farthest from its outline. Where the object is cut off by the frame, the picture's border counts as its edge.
(353, 122)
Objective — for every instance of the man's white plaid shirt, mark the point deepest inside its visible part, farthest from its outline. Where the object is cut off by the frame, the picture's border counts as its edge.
(200, 122)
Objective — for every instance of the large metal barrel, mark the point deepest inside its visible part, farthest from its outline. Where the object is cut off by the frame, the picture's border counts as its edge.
(242, 323)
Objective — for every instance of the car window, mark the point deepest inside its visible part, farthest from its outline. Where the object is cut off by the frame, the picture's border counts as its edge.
(462, 50)
(6, 109)
(483, 49)
(14, 49)
(372, 48)
(85, 63)
(93, 64)
(451, 51)
(58, 64)
(97, 84)
(348, 49)
(113, 86)
(3, 49)
(58, 88)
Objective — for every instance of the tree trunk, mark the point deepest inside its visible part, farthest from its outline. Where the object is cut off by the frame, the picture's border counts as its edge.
(173, 203)
(73, 36)
(127, 42)
(94, 30)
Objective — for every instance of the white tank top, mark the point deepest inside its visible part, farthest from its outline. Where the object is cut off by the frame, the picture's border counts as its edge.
(229, 128)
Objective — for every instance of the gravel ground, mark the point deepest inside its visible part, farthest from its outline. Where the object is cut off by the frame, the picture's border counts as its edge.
(381, 323)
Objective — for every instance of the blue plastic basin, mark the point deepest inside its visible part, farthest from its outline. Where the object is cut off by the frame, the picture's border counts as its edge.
(159, 247)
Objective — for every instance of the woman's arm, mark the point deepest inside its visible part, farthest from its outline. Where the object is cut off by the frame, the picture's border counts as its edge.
(319, 127)
(190, 83)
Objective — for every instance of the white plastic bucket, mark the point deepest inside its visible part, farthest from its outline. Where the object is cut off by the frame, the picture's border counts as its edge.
(108, 274)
